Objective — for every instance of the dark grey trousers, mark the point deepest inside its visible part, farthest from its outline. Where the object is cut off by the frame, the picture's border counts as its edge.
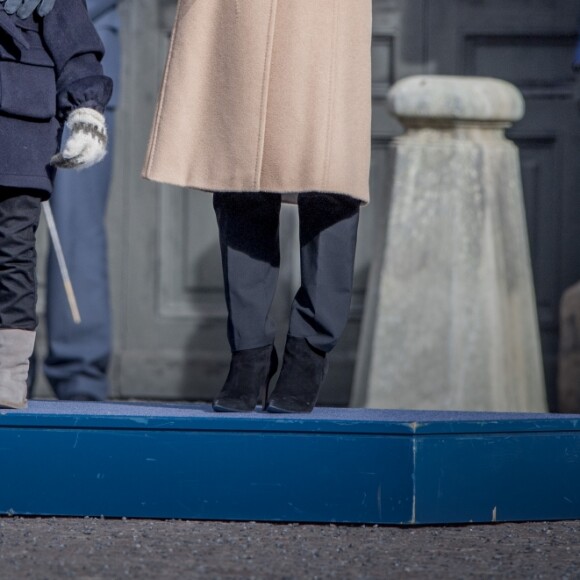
(19, 216)
(249, 240)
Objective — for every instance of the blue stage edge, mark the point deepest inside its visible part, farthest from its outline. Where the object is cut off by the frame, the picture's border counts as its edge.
(336, 465)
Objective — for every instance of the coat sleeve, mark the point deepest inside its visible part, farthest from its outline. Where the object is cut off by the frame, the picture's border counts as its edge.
(76, 50)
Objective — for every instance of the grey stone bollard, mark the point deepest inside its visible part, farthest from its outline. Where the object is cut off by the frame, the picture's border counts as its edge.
(450, 317)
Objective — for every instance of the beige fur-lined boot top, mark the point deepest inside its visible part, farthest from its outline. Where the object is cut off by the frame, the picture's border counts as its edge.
(16, 347)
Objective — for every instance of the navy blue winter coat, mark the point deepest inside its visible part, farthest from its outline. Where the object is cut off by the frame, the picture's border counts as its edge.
(48, 67)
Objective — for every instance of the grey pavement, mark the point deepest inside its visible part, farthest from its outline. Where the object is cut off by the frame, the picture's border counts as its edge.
(95, 549)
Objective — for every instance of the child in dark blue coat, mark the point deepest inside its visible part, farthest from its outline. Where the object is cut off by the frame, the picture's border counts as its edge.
(50, 75)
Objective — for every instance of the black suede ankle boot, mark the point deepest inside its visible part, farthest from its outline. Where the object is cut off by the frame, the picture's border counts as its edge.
(303, 371)
(250, 371)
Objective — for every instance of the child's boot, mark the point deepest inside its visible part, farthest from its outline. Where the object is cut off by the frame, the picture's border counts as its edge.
(16, 347)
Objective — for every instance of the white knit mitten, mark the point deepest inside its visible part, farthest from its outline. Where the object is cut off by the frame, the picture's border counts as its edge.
(87, 141)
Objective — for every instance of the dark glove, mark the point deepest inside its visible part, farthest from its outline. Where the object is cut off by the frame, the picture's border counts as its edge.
(24, 8)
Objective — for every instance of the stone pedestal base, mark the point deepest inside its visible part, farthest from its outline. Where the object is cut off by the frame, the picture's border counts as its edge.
(450, 319)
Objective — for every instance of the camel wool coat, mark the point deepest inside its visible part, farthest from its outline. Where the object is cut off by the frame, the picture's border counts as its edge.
(266, 95)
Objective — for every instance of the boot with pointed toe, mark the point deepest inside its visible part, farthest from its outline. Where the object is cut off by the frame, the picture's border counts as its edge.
(250, 371)
(16, 347)
(303, 371)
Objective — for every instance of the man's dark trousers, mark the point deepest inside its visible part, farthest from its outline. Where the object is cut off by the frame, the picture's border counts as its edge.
(249, 240)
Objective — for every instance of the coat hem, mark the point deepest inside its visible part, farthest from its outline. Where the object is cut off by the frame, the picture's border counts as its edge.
(283, 192)
(40, 183)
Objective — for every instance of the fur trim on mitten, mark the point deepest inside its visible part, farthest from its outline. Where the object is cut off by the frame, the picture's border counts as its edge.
(87, 141)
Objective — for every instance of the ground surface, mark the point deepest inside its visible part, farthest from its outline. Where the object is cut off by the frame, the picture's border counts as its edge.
(48, 548)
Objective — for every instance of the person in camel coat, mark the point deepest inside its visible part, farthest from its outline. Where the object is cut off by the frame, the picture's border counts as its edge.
(264, 102)
(51, 78)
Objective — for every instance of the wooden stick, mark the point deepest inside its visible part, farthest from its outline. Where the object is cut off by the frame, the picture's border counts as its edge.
(68, 288)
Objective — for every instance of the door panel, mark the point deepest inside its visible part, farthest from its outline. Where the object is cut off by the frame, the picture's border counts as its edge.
(529, 43)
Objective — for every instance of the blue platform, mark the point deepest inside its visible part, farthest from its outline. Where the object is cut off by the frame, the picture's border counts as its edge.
(336, 465)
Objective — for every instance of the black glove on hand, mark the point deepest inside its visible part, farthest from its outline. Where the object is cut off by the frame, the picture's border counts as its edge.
(24, 8)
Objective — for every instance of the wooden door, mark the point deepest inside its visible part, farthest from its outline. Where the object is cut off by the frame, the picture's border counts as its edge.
(529, 43)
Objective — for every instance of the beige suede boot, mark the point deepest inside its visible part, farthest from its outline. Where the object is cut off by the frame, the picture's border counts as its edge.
(16, 347)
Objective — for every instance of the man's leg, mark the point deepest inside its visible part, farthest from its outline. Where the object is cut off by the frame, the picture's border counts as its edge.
(248, 228)
(78, 354)
(328, 233)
